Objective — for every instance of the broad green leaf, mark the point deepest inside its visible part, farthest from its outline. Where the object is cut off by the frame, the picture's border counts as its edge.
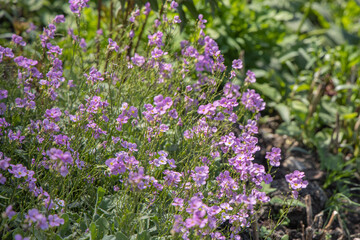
(291, 202)
(121, 236)
(288, 56)
(191, 7)
(109, 237)
(346, 86)
(268, 91)
(65, 228)
(349, 116)
(284, 112)
(154, 5)
(93, 231)
(285, 237)
(102, 226)
(290, 129)
(283, 16)
(266, 188)
(145, 235)
(99, 195)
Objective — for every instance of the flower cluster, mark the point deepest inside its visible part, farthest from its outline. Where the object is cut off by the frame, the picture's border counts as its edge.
(144, 124)
(296, 182)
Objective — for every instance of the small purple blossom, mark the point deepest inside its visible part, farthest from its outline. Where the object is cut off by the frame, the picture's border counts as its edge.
(77, 5)
(9, 212)
(147, 8)
(250, 77)
(94, 76)
(237, 64)
(274, 156)
(59, 19)
(295, 180)
(18, 40)
(83, 44)
(174, 5)
(138, 60)
(3, 94)
(252, 101)
(113, 45)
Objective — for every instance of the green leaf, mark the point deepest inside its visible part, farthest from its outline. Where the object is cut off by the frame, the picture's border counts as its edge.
(345, 86)
(288, 56)
(268, 91)
(290, 129)
(99, 195)
(284, 112)
(145, 235)
(283, 16)
(102, 226)
(285, 237)
(291, 202)
(93, 231)
(330, 161)
(349, 116)
(191, 7)
(266, 188)
(154, 5)
(109, 237)
(121, 236)
(65, 228)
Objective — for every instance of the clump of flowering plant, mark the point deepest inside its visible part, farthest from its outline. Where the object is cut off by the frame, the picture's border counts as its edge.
(146, 128)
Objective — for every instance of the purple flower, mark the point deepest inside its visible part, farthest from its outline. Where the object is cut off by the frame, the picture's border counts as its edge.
(83, 44)
(191, 222)
(164, 128)
(3, 94)
(173, 178)
(252, 101)
(250, 77)
(134, 15)
(174, 5)
(200, 175)
(274, 156)
(133, 111)
(9, 212)
(18, 40)
(2, 179)
(19, 237)
(267, 178)
(178, 202)
(18, 170)
(157, 23)
(59, 19)
(53, 113)
(55, 221)
(113, 45)
(77, 5)
(32, 27)
(131, 34)
(25, 62)
(147, 8)
(237, 64)
(156, 39)
(94, 75)
(33, 215)
(173, 114)
(99, 32)
(295, 180)
(202, 21)
(53, 49)
(138, 60)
